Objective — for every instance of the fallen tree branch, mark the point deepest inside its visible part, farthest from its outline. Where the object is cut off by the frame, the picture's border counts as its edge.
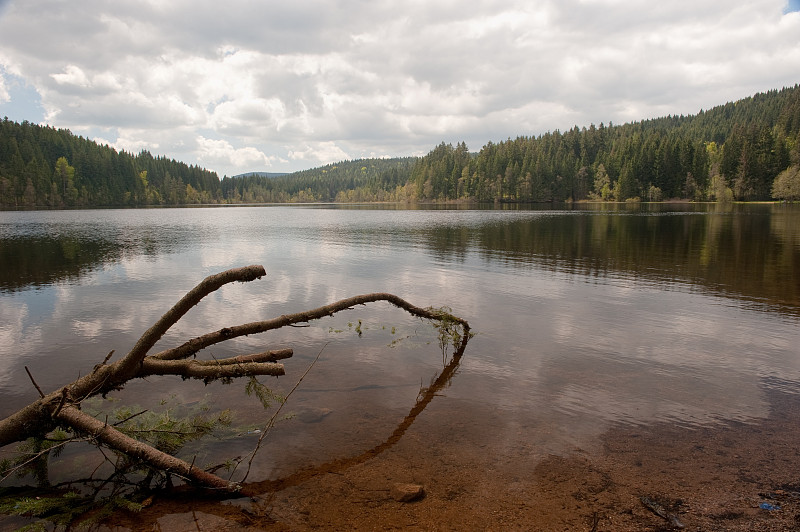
(196, 344)
(111, 437)
(197, 369)
(61, 407)
(36, 418)
(127, 367)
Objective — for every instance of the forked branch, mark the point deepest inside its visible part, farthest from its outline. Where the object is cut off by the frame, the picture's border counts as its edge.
(61, 407)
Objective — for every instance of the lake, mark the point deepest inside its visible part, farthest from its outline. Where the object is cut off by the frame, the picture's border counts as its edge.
(589, 319)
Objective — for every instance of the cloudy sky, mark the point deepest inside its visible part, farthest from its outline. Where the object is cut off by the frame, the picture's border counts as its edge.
(245, 85)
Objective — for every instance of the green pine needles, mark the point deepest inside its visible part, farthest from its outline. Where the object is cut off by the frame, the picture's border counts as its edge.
(82, 503)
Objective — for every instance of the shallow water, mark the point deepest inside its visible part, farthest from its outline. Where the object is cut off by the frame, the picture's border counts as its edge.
(586, 318)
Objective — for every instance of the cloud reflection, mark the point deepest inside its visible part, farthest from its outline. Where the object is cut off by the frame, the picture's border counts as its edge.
(576, 330)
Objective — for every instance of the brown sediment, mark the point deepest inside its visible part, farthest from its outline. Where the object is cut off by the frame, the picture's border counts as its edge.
(711, 478)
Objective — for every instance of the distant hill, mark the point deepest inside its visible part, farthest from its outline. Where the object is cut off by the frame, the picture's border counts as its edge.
(261, 174)
(744, 150)
(346, 181)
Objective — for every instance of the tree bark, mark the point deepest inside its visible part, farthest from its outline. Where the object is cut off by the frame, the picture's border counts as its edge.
(108, 435)
(208, 369)
(36, 417)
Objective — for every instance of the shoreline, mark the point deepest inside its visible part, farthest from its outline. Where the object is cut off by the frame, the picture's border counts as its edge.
(708, 478)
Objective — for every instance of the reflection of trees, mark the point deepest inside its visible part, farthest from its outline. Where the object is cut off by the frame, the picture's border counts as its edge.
(784, 223)
(44, 260)
(753, 253)
(447, 242)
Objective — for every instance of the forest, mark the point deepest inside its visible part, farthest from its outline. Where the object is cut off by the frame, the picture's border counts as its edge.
(748, 150)
(41, 166)
(362, 180)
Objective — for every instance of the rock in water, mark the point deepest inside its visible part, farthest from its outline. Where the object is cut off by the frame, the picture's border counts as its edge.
(313, 415)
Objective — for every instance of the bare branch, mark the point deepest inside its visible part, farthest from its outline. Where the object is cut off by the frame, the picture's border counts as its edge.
(64, 395)
(196, 344)
(108, 435)
(41, 393)
(208, 369)
(128, 366)
(139, 413)
(266, 356)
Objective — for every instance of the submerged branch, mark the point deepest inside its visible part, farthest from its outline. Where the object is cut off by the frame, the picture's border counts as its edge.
(113, 438)
(271, 422)
(425, 396)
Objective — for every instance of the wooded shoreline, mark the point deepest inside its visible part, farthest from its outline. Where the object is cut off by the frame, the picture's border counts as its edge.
(747, 150)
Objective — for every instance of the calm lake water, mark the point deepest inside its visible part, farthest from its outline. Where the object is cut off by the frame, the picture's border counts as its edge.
(586, 317)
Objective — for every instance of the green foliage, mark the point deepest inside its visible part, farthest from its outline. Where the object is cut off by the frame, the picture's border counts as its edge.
(32, 456)
(654, 193)
(748, 143)
(88, 501)
(363, 180)
(47, 167)
(263, 393)
(450, 331)
(69, 509)
(171, 429)
(787, 185)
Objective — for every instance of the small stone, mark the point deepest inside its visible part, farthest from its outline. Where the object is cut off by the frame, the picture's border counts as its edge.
(407, 492)
(313, 415)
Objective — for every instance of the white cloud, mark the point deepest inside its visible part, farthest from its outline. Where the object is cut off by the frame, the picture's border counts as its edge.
(296, 84)
(4, 95)
(72, 75)
(318, 153)
(213, 153)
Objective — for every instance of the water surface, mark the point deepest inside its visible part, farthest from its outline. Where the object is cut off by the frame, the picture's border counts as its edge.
(586, 318)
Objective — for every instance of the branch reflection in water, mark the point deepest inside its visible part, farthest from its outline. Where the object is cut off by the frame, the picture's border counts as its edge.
(262, 493)
(425, 396)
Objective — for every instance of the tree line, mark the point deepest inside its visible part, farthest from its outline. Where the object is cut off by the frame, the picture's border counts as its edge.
(748, 150)
(46, 167)
(745, 150)
(360, 180)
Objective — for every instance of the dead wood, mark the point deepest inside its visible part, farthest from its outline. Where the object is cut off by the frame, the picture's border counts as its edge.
(62, 407)
(107, 435)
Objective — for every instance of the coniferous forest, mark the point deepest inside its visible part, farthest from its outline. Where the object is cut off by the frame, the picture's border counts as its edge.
(747, 150)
